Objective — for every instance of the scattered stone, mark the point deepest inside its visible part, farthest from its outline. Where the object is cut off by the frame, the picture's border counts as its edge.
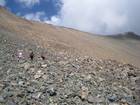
(131, 74)
(44, 77)
(44, 66)
(13, 83)
(20, 95)
(30, 89)
(90, 99)
(27, 83)
(21, 83)
(114, 104)
(1, 99)
(37, 76)
(63, 80)
(51, 91)
(1, 68)
(10, 103)
(124, 102)
(32, 70)
(1, 87)
(88, 77)
(26, 66)
(37, 95)
(112, 98)
(84, 94)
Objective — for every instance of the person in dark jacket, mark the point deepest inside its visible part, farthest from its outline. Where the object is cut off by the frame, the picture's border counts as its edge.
(32, 56)
(43, 56)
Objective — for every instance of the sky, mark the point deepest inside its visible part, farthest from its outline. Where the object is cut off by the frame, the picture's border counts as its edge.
(102, 17)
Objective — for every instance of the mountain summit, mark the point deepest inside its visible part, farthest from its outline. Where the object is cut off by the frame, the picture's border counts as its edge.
(70, 41)
(126, 35)
(132, 35)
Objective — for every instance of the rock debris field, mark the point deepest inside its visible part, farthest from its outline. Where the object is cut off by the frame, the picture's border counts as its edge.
(61, 79)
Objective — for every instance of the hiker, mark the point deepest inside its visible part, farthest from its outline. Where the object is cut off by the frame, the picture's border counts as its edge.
(31, 56)
(20, 56)
(43, 56)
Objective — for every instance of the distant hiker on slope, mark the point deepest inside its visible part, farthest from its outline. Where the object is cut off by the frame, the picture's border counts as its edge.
(32, 56)
(20, 56)
(43, 56)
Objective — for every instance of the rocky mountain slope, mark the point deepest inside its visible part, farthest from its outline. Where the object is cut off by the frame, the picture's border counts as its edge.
(62, 80)
(73, 42)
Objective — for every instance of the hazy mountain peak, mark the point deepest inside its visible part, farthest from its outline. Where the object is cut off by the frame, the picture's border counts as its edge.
(126, 35)
(131, 35)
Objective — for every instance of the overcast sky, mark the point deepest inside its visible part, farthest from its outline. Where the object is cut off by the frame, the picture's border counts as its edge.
(94, 16)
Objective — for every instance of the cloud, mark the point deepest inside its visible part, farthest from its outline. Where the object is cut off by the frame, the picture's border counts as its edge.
(38, 16)
(2, 2)
(28, 3)
(101, 16)
(94, 16)
(41, 17)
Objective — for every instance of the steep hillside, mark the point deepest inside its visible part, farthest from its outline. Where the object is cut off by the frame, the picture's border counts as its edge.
(62, 80)
(73, 42)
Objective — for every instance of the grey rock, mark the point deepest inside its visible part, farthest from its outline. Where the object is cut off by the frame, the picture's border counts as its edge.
(20, 95)
(1, 67)
(114, 104)
(9, 88)
(2, 99)
(90, 99)
(21, 83)
(37, 95)
(112, 98)
(1, 87)
(10, 103)
(84, 93)
(100, 100)
(30, 89)
(131, 74)
(7, 94)
(29, 96)
(51, 91)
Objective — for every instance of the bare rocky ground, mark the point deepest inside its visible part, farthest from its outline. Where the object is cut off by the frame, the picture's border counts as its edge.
(63, 80)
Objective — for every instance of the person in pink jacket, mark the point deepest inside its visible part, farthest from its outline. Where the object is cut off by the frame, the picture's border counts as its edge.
(20, 55)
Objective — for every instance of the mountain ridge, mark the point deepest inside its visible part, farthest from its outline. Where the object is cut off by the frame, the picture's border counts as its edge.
(128, 35)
